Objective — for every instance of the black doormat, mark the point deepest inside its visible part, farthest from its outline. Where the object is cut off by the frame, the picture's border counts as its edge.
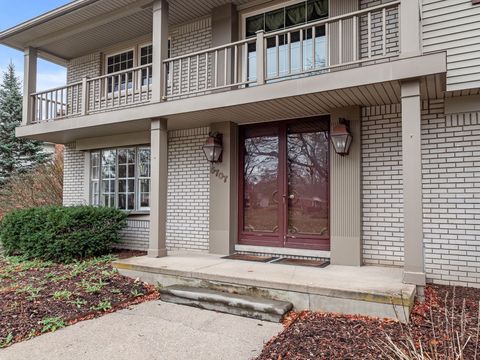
(303, 262)
(246, 257)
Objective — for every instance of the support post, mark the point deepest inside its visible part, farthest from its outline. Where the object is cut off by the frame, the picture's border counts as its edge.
(225, 31)
(410, 28)
(29, 84)
(224, 193)
(414, 272)
(346, 194)
(158, 188)
(260, 57)
(159, 48)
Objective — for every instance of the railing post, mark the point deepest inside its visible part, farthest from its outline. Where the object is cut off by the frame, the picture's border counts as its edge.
(85, 96)
(29, 85)
(260, 57)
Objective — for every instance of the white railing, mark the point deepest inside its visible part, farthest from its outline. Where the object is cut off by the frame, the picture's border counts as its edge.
(120, 89)
(57, 103)
(201, 72)
(336, 43)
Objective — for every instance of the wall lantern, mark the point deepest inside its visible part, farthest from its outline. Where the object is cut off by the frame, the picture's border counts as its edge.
(213, 148)
(341, 137)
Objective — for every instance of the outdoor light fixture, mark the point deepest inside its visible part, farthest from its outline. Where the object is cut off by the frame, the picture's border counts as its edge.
(213, 148)
(341, 137)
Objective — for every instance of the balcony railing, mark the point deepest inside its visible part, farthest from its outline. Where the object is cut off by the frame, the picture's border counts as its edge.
(340, 42)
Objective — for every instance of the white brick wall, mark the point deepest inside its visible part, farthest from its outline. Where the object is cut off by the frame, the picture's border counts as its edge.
(392, 40)
(382, 185)
(74, 176)
(451, 195)
(135, 236)
(188, 190)
(85, 66)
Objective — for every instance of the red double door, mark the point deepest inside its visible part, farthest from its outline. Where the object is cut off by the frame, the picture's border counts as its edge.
(284, 184)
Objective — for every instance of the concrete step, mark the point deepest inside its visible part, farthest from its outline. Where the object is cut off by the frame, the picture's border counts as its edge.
(241, 305)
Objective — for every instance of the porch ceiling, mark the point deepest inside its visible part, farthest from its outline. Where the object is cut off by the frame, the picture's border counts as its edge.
(85, 26)
(385, 93)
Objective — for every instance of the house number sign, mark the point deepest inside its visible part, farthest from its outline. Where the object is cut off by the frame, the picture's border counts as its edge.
(215, 171)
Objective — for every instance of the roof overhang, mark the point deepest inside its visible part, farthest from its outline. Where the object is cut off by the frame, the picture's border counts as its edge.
(83, 27)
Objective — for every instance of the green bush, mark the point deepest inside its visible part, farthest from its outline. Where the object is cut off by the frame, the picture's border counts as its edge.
(61, 234)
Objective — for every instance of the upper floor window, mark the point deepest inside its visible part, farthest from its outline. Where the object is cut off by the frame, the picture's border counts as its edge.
(284, 17)
(117, 63)
(295, 48)
(121, 178)
(146, 57)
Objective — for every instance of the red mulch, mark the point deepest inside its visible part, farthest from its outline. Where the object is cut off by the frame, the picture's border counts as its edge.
(31, 292)
(309, 335)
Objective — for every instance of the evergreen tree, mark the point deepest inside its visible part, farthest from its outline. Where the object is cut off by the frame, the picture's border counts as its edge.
(16, 155)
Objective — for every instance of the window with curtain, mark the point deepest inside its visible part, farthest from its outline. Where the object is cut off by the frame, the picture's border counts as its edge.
(294, 15)
(121, 178)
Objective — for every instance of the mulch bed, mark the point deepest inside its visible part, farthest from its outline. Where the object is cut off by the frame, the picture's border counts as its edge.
(38, 297)
(309, 335)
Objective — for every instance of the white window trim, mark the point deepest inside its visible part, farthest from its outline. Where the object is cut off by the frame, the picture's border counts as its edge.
(138, 209)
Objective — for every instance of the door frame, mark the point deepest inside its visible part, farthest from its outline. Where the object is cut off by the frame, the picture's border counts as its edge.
(308, 242)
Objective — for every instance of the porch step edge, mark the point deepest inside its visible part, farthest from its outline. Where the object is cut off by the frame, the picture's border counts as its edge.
(406, 298)
(241, 305)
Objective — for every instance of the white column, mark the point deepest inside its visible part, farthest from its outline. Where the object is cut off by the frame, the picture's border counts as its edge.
(159, 48)
(414, 272)
(29, 84)
(410, 28)
(158, 188)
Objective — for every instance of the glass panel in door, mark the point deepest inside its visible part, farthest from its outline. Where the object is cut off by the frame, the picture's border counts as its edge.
(260, 178)
(308, 188)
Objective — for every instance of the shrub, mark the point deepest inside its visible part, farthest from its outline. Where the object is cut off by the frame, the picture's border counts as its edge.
(61, 234)
(40, 187)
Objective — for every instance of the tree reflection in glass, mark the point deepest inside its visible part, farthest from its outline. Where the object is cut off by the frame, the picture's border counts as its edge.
(261, 184)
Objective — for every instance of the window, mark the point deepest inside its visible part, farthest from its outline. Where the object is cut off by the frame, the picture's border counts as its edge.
(301, 13)
(116, 63)
(121, 178)
(145, 59)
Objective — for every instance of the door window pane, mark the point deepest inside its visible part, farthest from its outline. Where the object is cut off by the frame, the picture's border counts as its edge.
(261, 184)
(308, 174)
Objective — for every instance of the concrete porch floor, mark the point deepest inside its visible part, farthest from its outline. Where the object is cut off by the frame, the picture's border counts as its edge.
(367, 290)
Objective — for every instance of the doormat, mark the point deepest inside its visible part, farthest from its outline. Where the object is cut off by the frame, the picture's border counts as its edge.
(303, 262)
(246, 257)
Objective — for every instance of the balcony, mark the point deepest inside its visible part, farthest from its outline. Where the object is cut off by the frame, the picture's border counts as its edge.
(358, 39)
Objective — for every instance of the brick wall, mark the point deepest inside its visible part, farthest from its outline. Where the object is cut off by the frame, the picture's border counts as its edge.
(135, 236)
(189, 38)
(74, 176)
(451, 195)
(188, 190)
(85, 66)
(382, 185)
(392, 27)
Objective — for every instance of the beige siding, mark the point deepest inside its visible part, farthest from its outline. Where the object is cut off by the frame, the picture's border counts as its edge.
(452, 25)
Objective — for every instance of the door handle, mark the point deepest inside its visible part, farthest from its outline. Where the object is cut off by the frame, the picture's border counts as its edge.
(291, 196)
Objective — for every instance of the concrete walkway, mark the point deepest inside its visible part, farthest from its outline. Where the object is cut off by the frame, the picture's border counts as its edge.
(151, 331)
